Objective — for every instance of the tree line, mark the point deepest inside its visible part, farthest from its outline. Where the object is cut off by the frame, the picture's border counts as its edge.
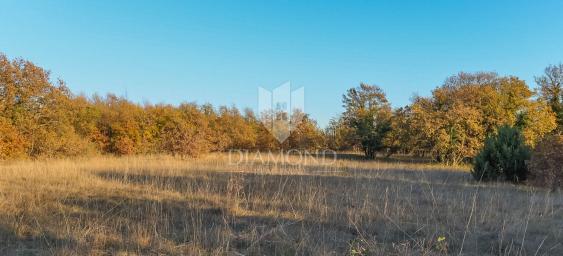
(452, 124)
(40, 118)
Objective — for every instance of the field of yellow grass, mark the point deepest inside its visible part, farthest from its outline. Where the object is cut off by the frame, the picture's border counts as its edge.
(162, 205)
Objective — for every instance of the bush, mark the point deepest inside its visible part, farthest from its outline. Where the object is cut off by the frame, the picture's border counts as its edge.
(503, 156)
(546, 168)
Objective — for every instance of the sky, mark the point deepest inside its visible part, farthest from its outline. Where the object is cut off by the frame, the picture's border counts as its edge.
(220, 52)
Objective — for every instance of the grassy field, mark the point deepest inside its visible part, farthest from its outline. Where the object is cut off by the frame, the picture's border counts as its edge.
(162, 205)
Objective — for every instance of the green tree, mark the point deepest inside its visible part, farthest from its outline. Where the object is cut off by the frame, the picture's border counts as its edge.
(504, 155)
(369, 114)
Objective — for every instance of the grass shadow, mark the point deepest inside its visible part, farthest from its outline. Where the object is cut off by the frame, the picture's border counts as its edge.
(44, 243)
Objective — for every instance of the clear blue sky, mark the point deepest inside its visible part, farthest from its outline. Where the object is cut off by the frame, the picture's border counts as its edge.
(221, 51)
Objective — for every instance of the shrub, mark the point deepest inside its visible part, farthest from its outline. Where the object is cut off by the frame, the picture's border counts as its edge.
(546, 168)
(503, 156)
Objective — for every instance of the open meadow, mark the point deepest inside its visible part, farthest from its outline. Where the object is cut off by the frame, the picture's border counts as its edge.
(258, 128)
(214, 205)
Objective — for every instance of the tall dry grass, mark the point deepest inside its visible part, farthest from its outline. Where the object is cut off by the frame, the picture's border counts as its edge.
(216, 205)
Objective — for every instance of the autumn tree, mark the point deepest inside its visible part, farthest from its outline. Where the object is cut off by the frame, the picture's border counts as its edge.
(120, 125)
(239, 131)
(86, 121)
(265, 141)
(218, 140)
(340, 136)
(545, 165)
(449, 135)
(305, 136)
(12, 143)
(400, 138)
(37, 111)
(181, 130)
(551, 90)
(453, 123)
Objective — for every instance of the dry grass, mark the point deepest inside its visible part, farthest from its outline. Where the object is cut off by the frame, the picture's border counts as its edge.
(169, 206)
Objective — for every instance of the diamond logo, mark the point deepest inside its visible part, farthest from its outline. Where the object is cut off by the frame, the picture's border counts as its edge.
(281, 110)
